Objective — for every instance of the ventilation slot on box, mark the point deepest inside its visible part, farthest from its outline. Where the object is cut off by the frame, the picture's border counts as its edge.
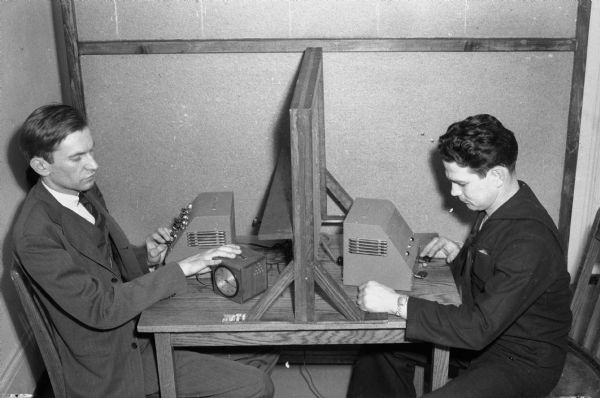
(206, 239)
(368, 247)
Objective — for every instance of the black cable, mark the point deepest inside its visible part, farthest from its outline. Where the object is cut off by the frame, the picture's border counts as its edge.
(310, 382)
(308, 378)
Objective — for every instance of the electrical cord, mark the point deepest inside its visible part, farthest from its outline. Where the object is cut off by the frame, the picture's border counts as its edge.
(305, 373)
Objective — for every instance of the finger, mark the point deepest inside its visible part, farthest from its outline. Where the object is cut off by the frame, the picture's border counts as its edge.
(162, 256)
(231, 249)
(156, 238)
(438, 250)
(165, 234)
(428, 249)
(228, 252)
(452, 256)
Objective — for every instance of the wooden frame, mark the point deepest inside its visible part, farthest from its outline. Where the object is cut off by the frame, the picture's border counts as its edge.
(577, 45)
(309, 183)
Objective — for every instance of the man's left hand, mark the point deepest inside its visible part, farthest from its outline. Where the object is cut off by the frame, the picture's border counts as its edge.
(375, 297)
(157, 245)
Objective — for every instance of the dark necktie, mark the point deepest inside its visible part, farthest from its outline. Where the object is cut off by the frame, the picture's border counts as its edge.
(468, 266)
(87, 204)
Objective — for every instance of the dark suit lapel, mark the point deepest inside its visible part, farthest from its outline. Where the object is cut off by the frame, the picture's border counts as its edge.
(76, 229)
(114, 230)
(131, 268)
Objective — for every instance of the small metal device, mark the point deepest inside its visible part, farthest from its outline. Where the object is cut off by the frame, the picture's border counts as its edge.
(379, 245)
(241, 278)
(205, 223)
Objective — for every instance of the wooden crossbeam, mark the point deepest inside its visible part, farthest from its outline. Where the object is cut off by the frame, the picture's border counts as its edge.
(433, 44)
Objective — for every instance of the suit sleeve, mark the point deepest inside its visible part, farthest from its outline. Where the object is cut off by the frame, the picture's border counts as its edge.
(517, 277)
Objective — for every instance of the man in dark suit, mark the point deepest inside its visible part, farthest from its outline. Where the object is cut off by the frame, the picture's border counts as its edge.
(93, 283)
(511, 330)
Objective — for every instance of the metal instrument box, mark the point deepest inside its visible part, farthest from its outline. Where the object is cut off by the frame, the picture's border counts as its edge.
(379, 245)
(207, 222)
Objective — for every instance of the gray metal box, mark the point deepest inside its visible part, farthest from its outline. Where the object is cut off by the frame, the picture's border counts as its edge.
(378, 245)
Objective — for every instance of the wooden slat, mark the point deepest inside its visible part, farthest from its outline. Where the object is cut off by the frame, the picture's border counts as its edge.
(303, 219)
(338, 193)
(574, 122)
(164, 352)
(419, 380)
(328, 45)
(583, 290)
(290, 337)
(284, 280)
(340, 299)
(305, 161)
(72, 50)
(439, 366)
(590, 339)
(319, 121)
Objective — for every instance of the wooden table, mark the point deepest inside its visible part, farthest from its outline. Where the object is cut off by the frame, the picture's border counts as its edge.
(201, 318)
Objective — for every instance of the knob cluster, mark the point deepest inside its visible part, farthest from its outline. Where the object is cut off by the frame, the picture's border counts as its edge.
(180, 222)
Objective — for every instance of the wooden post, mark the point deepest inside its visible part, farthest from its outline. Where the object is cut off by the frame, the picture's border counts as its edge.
(72, 48)
(574, 122)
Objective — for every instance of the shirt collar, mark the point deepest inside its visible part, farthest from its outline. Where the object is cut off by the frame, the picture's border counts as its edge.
(69, 201)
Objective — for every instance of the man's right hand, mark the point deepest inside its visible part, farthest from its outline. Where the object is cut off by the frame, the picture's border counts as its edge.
(441, 247)
(199, 263)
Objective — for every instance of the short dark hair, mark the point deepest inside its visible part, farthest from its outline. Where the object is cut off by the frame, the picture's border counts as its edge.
(46, 127)
(479, 142)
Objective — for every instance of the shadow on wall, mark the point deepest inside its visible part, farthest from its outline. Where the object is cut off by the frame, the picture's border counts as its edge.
(281, 140)
(25, 178)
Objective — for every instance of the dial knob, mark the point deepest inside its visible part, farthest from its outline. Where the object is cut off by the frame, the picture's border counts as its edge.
(225, 281)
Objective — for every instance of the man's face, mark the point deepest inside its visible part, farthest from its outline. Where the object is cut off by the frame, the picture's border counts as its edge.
(474, 191)
(73, 168)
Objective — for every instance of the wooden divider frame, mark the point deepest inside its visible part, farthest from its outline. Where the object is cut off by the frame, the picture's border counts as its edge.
(309, 179)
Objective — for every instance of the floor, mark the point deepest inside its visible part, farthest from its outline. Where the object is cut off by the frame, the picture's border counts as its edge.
(291, 381)
(305, 381)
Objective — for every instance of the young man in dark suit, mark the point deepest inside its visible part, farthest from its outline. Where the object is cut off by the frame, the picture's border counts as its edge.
(511, 329)
(93, 283)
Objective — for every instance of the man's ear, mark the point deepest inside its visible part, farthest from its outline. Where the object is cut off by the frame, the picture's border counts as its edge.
(500, 175)
(40, 165)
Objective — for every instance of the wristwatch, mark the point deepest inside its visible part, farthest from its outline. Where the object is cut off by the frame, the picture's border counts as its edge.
(401, 306)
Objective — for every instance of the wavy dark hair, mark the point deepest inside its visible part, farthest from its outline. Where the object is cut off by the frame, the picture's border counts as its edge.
(480, 142)
(46, 127)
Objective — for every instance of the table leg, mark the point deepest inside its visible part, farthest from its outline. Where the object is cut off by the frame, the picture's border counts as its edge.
(166, 368)
(440, 365)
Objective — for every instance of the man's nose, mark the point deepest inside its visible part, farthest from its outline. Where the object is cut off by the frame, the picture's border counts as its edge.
(91, 163)
(455, 190)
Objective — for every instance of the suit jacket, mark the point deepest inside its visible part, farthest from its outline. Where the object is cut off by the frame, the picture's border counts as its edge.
(515, 290)
(93, 306)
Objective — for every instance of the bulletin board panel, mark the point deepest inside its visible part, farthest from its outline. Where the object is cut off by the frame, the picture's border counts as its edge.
(380, 130)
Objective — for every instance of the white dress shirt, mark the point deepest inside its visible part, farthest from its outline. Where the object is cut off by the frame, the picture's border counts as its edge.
(71, 202)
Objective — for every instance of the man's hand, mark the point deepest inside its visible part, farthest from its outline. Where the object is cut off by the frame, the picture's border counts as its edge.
(375, 297)
(157, 244)
(441, 247)
(199, 263)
